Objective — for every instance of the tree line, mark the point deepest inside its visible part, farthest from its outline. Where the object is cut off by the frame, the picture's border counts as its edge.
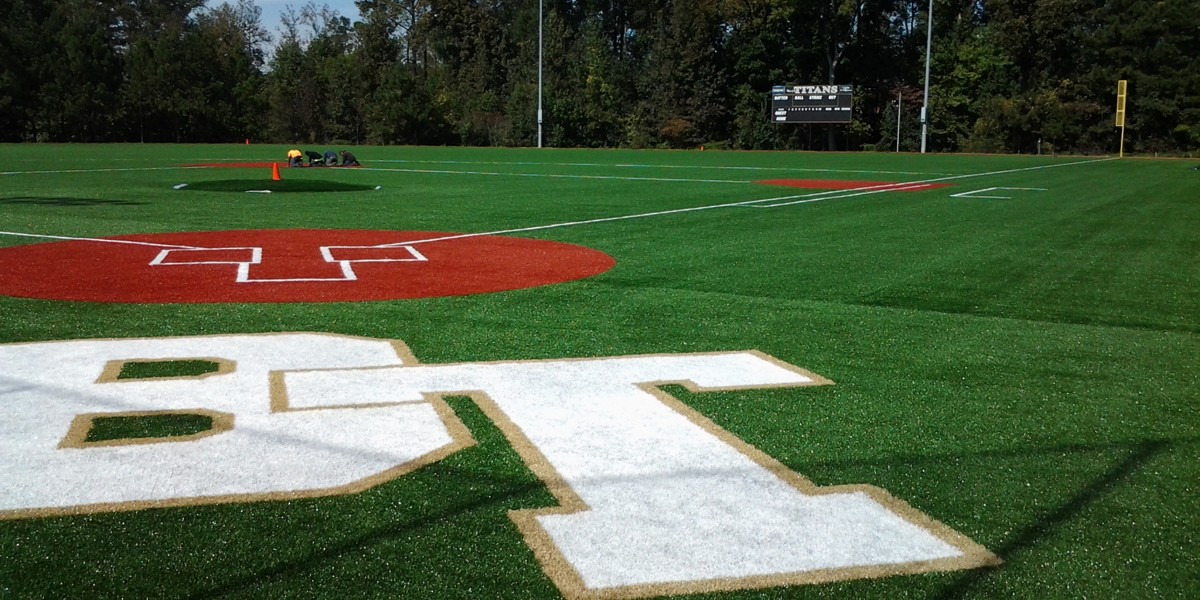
(1006, 75)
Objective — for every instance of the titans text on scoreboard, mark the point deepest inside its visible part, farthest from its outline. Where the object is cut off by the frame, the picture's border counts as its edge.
(811, 103)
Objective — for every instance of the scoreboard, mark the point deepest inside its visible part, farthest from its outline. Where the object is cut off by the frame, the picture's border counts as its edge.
(811, 103)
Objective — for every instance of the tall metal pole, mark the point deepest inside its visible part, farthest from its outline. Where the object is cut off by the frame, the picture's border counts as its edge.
(539, 114)
(899, 103)
(928, 49)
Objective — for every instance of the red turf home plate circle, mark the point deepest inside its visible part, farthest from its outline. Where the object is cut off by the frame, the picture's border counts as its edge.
(301, 265)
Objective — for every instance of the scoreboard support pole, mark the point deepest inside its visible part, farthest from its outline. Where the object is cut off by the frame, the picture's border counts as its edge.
(539, 109)
(928, 50)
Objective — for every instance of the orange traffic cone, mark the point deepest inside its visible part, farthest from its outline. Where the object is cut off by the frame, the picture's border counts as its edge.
(275, 172)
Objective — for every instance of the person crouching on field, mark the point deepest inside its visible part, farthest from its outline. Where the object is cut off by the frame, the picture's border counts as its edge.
(314, 158)
(348, 160)
(330, 158)
(295, 158)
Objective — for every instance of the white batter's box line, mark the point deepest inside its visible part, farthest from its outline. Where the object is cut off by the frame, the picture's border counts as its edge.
(389, 254)
(976, 193)
(165, 258)
(413, 254)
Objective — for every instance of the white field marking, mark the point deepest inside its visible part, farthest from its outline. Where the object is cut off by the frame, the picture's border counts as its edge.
(555, 175)
(243, 276)
(107, 241)
(109, 170)
(107, 160)
(864, 191)
(650, 166)
(975, 193)
(243, 266)
(416, 256)
(780, 201)
(591, 221)
(916, 185)
(161, 258)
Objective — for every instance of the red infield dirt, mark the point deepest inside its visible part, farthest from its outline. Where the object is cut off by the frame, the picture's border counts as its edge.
(838, 184)
(302, 265)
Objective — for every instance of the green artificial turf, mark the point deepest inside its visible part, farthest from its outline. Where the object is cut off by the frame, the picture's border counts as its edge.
(1023, 370)
(137, 427)
(283, 186)
(166, 368)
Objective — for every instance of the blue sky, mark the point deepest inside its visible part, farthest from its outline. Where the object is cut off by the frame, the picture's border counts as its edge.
(273, 9)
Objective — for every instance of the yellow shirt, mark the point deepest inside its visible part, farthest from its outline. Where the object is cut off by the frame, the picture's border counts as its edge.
(294, 154)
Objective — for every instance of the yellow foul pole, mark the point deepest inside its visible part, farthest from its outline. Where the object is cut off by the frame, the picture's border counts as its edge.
(1121, 88)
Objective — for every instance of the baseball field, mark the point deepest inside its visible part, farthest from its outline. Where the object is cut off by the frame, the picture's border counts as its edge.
(534, 374)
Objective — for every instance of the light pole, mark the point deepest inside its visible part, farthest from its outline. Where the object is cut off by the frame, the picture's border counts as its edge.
(539, 114)
(925, 101)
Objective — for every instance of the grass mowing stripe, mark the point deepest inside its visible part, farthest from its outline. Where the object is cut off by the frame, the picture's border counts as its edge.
(654, 166)
(554, 175)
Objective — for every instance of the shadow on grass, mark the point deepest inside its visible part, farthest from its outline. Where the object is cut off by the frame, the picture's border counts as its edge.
(1026, 539)
(382, 535)
(62, 201)
(275, 187)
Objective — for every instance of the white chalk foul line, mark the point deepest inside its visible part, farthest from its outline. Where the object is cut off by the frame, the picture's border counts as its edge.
(778, 202)
(976, 193)
(103, 240)
(812, 197)
(851, 193)
(108, 170)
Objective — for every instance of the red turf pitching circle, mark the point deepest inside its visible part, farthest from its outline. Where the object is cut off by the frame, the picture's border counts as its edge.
(301, 265)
